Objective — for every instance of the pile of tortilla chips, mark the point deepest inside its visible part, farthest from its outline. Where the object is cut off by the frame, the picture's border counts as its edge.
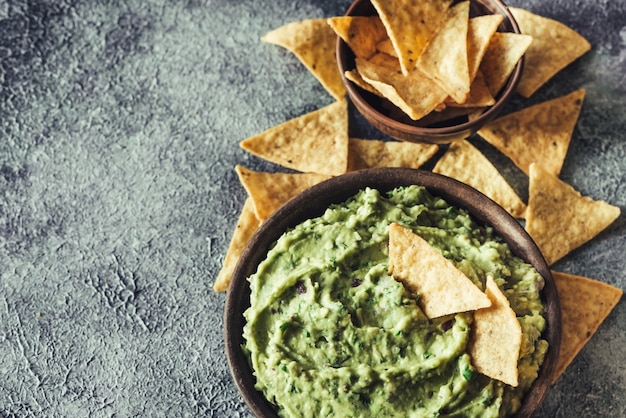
(391, 55)
(450, 61)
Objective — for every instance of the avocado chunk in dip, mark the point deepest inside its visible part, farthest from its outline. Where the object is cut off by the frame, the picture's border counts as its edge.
(330, 333)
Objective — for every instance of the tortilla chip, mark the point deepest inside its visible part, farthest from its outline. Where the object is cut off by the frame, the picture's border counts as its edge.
(559, 218)
(442, 288)
(415, 94)
(316, 142)
(467, 164)
(246, 227)
(585, 304)
(444, 60)
(371, 153)
(360, 33)
(386, 47)
(479, 94)
(410, 26)
(554, 47)
(313, 42)
(502, 55)
(269, 191)
(496, 338)
(354, 76)
(539, 133)
(479, 34)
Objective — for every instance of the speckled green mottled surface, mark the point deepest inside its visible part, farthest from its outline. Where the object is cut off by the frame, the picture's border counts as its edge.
(119, 130)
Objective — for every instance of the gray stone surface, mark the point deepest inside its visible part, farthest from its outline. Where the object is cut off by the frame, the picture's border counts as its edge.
(119, 130)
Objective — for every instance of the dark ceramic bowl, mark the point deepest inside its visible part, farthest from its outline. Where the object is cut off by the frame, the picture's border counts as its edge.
(392, 122)
(314, 201)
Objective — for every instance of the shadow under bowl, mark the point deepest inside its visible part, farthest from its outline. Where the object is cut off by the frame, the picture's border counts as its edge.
(390, 120)
(313, 203)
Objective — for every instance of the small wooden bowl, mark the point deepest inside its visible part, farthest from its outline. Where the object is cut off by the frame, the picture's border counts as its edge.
(314, 201)
(376, 110)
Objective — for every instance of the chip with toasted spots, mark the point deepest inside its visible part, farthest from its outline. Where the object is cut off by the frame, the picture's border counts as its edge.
(415, 94)
(410, 26)
(585, 304)
(361, 33)
(554, 47)
(559, 218)
(540, 133)
(496, 338)
(316, 142)
(371, 153)
(444, 60)
(313, 42)
(501, 57)
(442, 288)
(466, 163)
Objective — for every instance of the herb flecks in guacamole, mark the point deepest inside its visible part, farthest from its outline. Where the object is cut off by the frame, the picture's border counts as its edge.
(330, 333)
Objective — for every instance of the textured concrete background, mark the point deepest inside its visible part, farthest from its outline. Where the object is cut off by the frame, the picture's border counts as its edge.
(119, 130)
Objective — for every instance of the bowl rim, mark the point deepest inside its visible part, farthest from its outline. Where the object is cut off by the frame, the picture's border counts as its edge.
(345, 61)
(314, 201)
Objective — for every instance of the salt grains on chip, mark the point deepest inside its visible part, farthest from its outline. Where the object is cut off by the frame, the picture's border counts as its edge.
(442, 288)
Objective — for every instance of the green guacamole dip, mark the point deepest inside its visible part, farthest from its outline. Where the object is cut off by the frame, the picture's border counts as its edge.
(330, 333)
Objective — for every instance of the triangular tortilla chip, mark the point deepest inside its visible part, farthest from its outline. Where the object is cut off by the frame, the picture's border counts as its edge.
(539, 133)
(559, 218)
(479, 34)
(246, 227)
(444, 59)
(415, 94)
(371, 153)
(269, 191)
(316, 142)
(442, 288)
(502, 55)
(554, 47)
(313, 41)
(410, 26)
(360, 33)
(465, 163)
(496, 338)
(585, 304)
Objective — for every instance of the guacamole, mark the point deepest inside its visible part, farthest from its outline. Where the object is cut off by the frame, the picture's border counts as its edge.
(330, 333)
